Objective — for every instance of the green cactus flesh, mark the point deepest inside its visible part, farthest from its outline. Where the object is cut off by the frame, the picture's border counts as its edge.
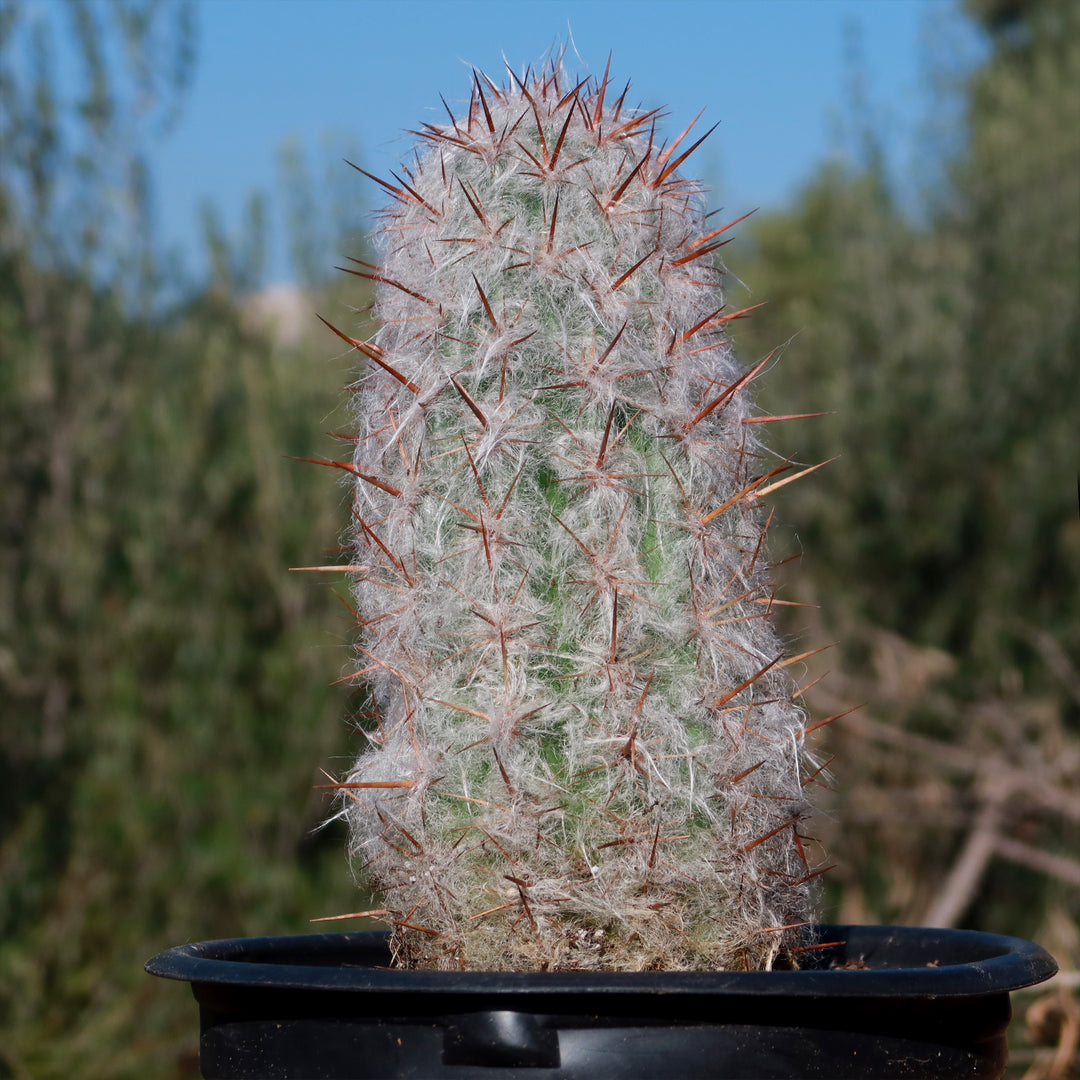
(585, 751)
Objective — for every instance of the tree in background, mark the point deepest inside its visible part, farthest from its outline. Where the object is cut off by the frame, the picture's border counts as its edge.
(163, 679)
(944, 544)
(947, 351)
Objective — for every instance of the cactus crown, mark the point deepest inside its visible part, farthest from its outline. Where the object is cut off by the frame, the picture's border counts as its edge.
(584, 750)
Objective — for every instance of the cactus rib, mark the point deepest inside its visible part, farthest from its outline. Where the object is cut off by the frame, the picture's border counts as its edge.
(586, 753)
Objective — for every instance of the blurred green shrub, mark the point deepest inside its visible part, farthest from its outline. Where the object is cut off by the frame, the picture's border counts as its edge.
(163, 680)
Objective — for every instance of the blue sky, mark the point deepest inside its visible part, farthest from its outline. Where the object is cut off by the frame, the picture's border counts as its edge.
(358, 72)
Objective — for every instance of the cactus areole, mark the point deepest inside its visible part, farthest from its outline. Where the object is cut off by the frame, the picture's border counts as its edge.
(583, 749)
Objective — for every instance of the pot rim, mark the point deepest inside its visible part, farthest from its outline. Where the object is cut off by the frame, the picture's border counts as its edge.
(848, 961)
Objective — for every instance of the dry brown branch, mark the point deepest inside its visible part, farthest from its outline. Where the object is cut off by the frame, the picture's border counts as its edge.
(1054, 1020)
(1057, 662)
(1017, 760)
(1040, 786)
(1046, 862)
(962, 885)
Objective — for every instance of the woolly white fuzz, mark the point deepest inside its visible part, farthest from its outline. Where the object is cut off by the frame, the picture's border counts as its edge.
(582, 757)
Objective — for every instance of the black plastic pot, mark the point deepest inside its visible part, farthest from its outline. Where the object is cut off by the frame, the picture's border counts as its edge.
(881, 1002)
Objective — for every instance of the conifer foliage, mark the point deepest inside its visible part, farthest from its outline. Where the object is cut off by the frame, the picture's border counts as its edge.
(585, 749)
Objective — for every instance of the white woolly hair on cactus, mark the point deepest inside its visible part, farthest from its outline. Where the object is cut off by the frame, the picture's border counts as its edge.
(586, 751)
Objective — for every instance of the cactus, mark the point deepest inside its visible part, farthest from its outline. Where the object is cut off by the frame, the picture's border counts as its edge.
(583, 749)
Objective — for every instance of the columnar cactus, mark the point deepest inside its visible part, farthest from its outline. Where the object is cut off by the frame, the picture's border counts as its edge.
(584, 750)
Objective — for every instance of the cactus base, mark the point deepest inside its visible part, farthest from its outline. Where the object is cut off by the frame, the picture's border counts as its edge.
(879, 1001)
